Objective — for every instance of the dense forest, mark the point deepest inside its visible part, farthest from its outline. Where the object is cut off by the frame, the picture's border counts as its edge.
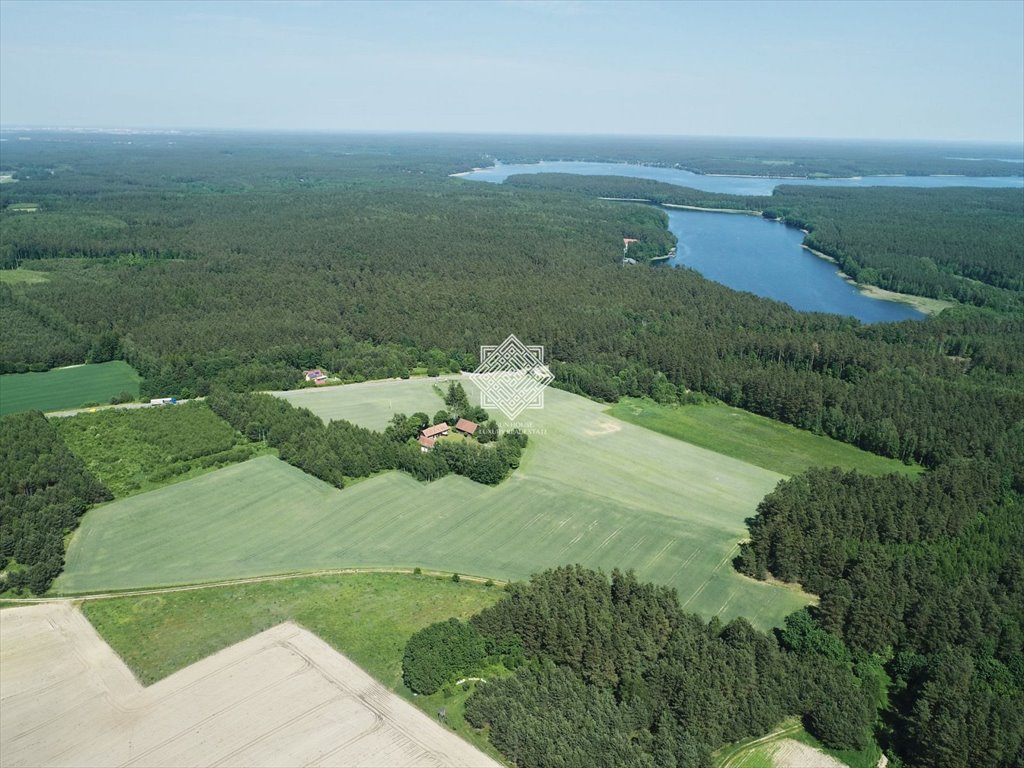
(614, 673)
(220, 266)
(378, 267)
(44, 490)
(930, 574)
(958, 243)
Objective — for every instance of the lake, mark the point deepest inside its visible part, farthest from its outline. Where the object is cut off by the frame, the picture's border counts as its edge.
(748, 253)
(733, 185)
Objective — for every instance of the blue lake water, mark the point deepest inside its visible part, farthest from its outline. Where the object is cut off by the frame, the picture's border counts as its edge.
(733, 185)
(748, 253)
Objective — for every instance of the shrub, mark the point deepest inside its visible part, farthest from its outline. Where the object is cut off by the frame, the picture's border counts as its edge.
(440, 653)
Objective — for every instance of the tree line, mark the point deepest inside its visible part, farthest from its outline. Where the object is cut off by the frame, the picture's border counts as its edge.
(341, 449)
(611, 672)
(44, 490)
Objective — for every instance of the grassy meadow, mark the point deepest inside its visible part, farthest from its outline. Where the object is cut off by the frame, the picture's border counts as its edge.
(66, 387)
(590, 489)
(755, 439)
(368, 617)
(371, 403)
(22, 276)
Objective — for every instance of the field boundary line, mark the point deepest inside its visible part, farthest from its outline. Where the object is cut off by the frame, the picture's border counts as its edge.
(85, 597)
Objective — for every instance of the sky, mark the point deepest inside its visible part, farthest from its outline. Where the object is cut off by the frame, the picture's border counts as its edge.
(865, 70)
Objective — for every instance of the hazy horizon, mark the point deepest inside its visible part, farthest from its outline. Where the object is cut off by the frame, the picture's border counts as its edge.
(207, 131)
(866, 71)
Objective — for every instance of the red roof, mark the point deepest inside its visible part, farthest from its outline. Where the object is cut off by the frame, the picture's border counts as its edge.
(467, 426)
(315, 372)
(426, 442)
(628, 240)
(437, 429)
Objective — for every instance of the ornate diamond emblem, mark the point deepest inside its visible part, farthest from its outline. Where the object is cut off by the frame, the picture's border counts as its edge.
(512, 377)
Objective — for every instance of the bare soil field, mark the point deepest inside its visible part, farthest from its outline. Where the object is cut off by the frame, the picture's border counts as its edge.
(790, 753)
(281, 698)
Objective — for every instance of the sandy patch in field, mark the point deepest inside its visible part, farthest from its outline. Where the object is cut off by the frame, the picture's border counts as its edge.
(792, 754)
(603, 427)
(281, 698)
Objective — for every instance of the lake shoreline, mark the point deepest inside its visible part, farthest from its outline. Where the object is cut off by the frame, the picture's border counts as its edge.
(824, 179)
(742, 211)
(925, 304)
(918, 307)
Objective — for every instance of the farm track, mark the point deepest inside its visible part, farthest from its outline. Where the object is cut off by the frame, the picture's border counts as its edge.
(119, 407)
(85, 597)
(734, 759)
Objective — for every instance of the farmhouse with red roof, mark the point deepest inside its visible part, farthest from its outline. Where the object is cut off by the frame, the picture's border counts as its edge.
(438, 430)
(466, 427)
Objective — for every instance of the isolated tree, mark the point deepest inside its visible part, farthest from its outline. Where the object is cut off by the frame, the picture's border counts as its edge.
(455, 398)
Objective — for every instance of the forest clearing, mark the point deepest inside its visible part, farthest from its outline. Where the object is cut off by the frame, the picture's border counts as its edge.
(676, 518)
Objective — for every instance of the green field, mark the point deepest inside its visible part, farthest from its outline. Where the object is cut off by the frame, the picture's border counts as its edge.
(66, 387)
(371, 403)
(746, 436)
(591, 489)
(21, 275)
(368, 617)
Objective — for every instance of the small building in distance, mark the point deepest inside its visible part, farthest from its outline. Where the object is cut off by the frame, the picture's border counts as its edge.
(426, 443)
(315, 375)
(466, 427)
(626, 242)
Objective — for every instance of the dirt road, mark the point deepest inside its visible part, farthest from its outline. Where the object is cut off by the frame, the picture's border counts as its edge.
(232, 582)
